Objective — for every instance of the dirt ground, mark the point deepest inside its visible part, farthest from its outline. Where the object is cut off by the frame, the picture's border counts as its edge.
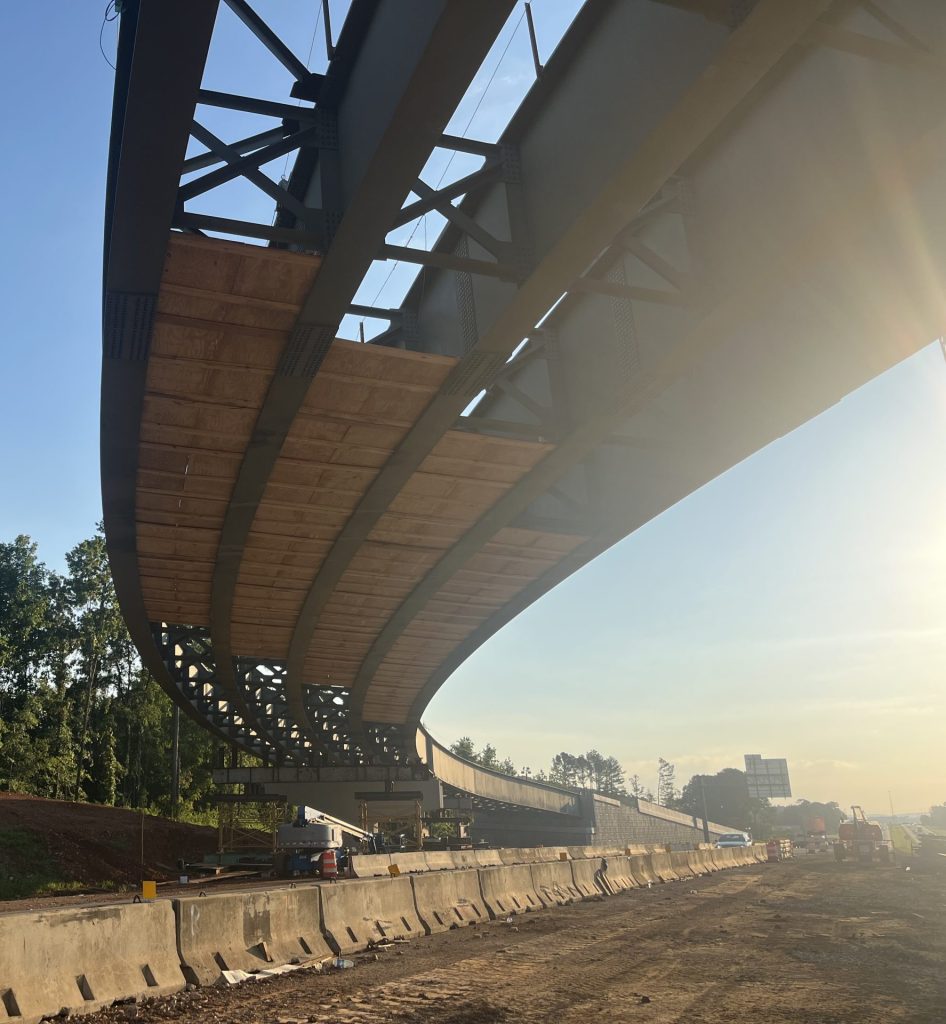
(808, 941)
(48, 845)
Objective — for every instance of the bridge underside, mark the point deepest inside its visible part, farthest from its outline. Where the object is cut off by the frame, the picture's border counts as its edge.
(737, 224)
(222, 321)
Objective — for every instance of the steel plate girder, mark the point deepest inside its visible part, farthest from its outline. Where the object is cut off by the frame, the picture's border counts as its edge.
(151, 115)
(718, 75)
(784, 338)
(413, 67)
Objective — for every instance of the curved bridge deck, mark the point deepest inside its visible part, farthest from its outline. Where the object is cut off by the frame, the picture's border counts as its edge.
(698, 231)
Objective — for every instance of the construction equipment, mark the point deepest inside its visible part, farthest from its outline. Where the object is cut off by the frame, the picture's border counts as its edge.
(860, 839)
(816, 835)
(301, 843)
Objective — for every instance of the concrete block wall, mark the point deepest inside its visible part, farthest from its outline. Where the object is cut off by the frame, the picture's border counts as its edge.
(531, 828)
(604, 821)
(617, 823)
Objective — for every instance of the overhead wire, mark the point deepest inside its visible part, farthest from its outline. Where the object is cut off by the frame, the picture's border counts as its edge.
(111, 8)
(308, 61)
(463, 135)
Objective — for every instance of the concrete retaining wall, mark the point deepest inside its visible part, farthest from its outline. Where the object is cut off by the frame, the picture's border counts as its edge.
(439, 860)
(509, 890)
(248, 931)
(82, 960)
(697, 866)
(464, 858)
(706, 859)
(519, 854)
(619, 877)
(448, 899)
(357, 913)
(554, 883)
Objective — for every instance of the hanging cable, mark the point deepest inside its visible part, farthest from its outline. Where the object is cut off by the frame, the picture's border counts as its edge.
(466, 128)
(112, 11)
(315, 32)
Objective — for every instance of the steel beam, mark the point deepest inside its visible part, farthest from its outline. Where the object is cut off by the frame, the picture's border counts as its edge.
(486, 175)
(392, 116)
(831, 244)
(734, 69)
(237, 165)
(247, 145)
(146, 152)
(449, 261)
(267, 108)
(307, 83)
(247, 168)
(312, 241)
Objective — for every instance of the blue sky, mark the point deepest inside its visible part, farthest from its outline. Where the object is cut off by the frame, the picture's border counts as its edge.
(796, 606)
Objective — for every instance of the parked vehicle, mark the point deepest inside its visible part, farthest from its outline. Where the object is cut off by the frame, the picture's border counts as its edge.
(731, 839)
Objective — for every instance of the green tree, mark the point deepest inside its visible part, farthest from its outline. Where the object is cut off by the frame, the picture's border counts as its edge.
(565, 769)
(105, 653)
(487, 757)
(727, 802)
(639, 790)
(798, 816)
(24, 601)
(464, 748)
(79, 717)
(666, 783)
(612, 777)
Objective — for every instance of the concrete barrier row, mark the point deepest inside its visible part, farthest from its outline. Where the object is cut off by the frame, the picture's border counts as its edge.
(82, 960)
(247, 931)
(378, 865)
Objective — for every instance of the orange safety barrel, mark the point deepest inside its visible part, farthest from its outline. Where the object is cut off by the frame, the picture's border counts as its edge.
(328, 866)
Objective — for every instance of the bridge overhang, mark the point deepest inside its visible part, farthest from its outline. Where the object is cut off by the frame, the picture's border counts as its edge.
(741, 219)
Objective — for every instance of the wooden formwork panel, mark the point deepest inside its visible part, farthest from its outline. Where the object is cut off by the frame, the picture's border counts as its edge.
(357, 410)
(223, 315)
(461, 480)
(459, 607)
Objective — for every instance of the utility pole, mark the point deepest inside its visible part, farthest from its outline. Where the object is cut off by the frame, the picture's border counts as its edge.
(706, 837)
(175, 760)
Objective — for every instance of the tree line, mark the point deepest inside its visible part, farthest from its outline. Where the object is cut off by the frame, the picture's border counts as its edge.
(80, 719)
(591, 770)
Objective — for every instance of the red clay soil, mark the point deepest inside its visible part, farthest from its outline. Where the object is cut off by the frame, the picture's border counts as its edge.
(90, 845)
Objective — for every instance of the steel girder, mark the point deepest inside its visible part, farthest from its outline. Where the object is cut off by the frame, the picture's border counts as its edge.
(150, 114)
(377, 121)
(389, 120)
(591, 177)
(592, 255)
(686, 307)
